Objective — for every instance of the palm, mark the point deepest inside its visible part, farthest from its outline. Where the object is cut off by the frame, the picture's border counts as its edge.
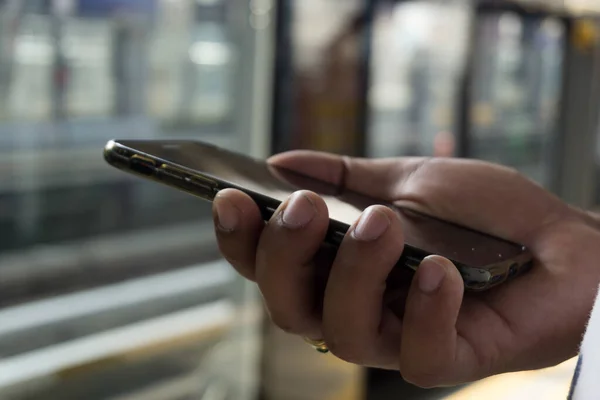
(535, 321)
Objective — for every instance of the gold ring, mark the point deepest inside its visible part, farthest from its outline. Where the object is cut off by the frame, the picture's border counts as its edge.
(318, 345)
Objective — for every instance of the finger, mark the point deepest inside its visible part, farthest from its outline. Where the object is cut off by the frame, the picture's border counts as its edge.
(430, 185)
(355, 326)
(432, 352)
(376, 178)
(238, 224)
(285, 271)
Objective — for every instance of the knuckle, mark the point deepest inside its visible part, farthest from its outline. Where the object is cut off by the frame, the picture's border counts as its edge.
(414, 174)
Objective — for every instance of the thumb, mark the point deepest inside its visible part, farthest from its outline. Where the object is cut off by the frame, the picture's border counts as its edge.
(431, 351)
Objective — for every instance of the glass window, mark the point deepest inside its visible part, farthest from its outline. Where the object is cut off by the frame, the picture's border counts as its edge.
(324, 45)
(193, 62)
(27, 65)
(105, 277)
(368, 81)
(413, 92)
(516, 91)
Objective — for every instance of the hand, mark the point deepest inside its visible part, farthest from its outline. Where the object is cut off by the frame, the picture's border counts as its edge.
(444, 336)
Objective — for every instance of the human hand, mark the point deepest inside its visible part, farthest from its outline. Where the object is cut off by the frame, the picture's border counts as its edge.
(444, 336)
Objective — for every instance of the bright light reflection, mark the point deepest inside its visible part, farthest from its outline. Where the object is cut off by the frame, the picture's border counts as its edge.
(210, 53)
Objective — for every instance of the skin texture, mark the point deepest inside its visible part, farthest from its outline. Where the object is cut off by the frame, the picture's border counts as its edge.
(437, 335)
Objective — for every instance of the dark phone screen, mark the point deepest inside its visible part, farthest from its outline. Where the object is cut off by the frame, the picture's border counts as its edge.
(429, 234)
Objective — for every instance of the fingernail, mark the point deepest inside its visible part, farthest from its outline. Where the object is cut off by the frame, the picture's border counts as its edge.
(299, 211)
(431, 275)
(227, 215)
(372, 224)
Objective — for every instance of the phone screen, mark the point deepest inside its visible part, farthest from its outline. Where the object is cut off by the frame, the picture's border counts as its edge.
(432, 235)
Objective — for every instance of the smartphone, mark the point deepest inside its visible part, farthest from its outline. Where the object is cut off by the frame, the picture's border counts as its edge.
(201, 169)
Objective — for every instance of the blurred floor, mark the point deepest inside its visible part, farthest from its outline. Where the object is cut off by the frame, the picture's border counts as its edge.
(547, 384)
(294, 371)
(299, 373)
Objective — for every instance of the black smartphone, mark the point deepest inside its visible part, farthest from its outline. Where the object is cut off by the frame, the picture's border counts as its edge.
(201, 169)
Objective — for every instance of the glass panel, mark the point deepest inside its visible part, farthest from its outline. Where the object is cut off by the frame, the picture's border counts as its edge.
(320, 88)
(88, 51)
(193, 66)
(412, 94)
(105, 277)
(27, 67)
(516, 91)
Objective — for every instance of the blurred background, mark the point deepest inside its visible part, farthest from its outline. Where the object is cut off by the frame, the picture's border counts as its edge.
(113, 288)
